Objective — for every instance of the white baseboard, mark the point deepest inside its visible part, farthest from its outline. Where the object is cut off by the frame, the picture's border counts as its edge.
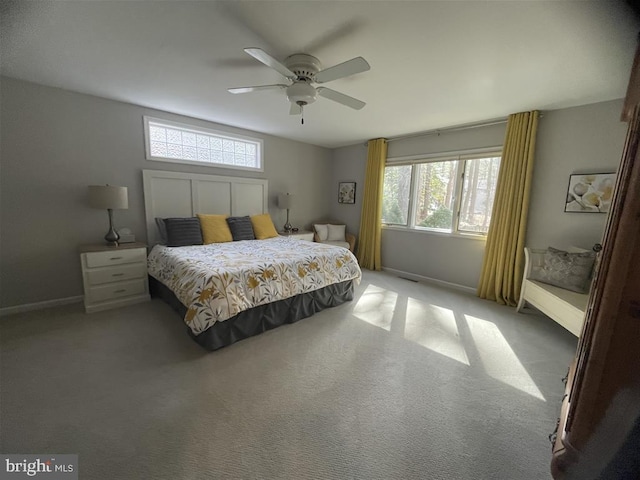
(421, 278)
(27, 307)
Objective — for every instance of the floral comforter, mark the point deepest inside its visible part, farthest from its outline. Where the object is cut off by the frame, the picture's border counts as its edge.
(217, 281)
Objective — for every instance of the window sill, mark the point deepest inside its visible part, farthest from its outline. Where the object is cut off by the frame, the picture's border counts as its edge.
(206, 164)
(466, 236)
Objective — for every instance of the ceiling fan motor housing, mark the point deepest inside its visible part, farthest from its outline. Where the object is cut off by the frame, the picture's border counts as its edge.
(303, 65)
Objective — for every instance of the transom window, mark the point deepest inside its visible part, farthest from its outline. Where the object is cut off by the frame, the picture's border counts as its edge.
(177, 142)
(452, 193)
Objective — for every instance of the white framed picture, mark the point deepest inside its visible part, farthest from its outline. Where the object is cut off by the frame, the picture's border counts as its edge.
(590, 192)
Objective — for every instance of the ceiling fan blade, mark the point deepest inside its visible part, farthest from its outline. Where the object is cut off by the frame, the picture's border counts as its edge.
(340, 98)
(344, 69)
(295, 109)
(256, 88)
(269, 61)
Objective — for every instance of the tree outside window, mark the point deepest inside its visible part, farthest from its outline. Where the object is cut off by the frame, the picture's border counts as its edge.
(448, 195)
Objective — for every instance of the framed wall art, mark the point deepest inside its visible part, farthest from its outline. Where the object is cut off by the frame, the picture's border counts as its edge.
(590, 192)
(347, 192)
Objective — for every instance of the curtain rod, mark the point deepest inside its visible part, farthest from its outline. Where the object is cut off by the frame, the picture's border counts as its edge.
(437, 131)
(466, 126)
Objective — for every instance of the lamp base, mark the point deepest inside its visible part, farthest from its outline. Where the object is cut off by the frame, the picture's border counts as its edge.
(112, 236)
(287, 226)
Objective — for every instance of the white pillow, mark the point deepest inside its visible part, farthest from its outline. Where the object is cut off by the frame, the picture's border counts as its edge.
(322, 231)
(336, 233)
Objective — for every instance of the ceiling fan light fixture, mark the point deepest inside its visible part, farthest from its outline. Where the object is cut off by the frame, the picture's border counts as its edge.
(301, 93)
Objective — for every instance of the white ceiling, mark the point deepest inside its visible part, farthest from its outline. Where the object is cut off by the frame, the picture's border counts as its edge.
(433, 64)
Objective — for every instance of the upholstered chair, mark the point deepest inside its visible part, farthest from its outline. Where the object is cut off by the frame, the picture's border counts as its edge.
(333, 233)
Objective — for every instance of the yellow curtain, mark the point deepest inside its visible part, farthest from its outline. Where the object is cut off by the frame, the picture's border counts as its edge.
(368, 251)
(501, 276)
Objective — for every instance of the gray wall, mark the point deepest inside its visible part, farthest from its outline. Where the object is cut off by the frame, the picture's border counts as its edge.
(54, 143)
(575, 140)
(349, 164)
(587, 139)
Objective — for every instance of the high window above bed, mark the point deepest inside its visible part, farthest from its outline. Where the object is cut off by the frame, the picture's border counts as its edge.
(169, 141)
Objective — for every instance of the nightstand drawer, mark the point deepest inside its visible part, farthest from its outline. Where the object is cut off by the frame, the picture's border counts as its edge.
(114, 291)
(116, 274)
(103, 259)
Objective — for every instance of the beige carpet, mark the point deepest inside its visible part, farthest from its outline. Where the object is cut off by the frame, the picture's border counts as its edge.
(408, 381)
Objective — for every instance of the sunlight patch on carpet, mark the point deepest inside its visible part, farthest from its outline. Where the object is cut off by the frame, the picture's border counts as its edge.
(498, 358)
(435, 328)
(376, 306)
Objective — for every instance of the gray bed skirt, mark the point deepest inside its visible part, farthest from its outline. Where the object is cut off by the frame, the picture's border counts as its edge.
(262, 318)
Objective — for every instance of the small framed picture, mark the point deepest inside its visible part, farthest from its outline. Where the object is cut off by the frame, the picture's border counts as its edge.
(347, 192)
(590, 192)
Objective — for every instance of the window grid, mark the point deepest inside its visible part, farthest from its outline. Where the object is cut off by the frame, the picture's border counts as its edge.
(173, 142)
(469, 196)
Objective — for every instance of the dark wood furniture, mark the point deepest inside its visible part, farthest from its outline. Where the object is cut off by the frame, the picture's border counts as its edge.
(602, 403)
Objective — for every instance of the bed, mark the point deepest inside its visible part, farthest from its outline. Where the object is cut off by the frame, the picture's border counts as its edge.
(226, 292)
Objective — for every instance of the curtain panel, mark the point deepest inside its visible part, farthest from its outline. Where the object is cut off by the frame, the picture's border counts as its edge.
(502, 267)
(368, 252)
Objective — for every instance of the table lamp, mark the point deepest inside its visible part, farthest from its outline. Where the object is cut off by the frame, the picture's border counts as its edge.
(108, 197)
(285, 201)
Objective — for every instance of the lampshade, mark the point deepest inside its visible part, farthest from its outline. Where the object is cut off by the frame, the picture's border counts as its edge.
(286, 200)
(108, 197)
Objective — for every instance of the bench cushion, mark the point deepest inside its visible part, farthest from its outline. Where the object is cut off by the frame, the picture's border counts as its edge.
(575, 299)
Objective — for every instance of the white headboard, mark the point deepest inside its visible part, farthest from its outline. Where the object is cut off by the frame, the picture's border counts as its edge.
(175, 194)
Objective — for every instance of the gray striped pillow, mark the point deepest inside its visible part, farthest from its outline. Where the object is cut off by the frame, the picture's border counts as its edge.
(241, 228)
(183, 231)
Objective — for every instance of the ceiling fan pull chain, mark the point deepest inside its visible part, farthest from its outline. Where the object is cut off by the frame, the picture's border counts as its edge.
(302, 114)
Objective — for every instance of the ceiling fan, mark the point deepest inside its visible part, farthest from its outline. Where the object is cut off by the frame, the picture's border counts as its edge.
(303, 70)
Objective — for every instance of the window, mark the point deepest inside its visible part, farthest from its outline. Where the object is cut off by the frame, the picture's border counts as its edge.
(176, 142)
(447, 194)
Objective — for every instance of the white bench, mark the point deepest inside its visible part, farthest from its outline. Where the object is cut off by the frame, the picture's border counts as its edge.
(564, 306)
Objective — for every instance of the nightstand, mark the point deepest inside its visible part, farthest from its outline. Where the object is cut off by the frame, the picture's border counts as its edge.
(114, 276)
(300, 234)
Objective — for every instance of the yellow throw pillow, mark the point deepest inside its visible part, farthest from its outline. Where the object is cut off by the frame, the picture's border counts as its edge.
(215, 228)
(263, 226)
